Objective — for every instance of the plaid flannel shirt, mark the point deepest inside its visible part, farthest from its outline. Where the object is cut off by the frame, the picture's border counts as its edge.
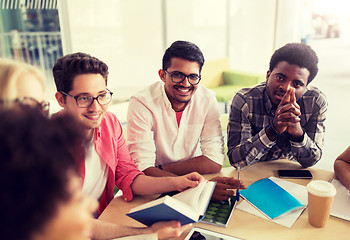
(251, 112)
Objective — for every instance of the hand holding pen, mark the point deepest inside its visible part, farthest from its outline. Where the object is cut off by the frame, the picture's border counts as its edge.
(225, 187)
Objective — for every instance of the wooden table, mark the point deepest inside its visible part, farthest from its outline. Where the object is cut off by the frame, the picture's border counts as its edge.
(245, 225)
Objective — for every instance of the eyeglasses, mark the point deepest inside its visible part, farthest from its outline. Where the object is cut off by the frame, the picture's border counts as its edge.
(44, 106)
(178, 77)
(85, 100)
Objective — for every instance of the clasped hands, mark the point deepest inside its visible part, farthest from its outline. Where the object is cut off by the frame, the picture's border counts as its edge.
(287, 116)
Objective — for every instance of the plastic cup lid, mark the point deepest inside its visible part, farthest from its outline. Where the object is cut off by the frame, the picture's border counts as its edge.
(321, 188)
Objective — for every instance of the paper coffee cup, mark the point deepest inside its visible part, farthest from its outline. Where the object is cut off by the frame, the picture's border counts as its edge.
(320, 200)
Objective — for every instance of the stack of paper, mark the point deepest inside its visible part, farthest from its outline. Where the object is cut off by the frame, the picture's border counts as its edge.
(341, 202)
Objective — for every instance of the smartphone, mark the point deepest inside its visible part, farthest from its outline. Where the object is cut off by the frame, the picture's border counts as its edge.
(294, 174)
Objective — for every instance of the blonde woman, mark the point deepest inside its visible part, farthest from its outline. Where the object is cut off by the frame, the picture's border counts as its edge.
(21, 83)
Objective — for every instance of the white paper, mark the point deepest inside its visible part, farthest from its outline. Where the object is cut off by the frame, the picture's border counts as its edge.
(296, 190)
(341, 202)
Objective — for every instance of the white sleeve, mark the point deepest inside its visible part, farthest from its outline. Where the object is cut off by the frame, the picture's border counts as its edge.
(140, 138)
(211, 140)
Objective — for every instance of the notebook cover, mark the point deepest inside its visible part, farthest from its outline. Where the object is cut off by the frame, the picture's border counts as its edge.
(270, 198)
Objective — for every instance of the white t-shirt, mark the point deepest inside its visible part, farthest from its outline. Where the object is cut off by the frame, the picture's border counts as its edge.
(96, 172)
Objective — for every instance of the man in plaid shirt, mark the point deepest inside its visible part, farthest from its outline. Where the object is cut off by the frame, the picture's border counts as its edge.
(282, 117)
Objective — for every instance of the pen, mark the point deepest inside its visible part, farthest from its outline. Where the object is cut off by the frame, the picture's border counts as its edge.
(237, 192)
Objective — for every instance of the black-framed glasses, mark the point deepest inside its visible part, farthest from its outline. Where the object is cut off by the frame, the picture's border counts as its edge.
(44, 106)
(178, 77)
(85, 100)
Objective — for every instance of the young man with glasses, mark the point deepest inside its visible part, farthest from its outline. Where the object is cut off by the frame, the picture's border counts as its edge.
(173, 125)
(282, 117)
(81, 82)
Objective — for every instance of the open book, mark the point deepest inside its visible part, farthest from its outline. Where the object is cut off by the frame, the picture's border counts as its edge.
(271, 199)
(187, 207)
(341, 202)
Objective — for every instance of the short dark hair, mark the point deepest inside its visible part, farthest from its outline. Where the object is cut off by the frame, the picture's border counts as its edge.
(298, 54)
(185, 50)
(38, 157)
(69, 66)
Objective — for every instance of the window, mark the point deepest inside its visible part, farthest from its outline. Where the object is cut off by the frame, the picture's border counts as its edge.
(30, 32)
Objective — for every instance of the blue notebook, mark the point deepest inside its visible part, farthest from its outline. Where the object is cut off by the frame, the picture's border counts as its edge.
(270, 199)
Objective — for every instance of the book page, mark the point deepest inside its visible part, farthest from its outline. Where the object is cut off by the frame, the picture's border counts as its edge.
(341, 202)
(205, 196)
(197, 198)
(191, 196)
